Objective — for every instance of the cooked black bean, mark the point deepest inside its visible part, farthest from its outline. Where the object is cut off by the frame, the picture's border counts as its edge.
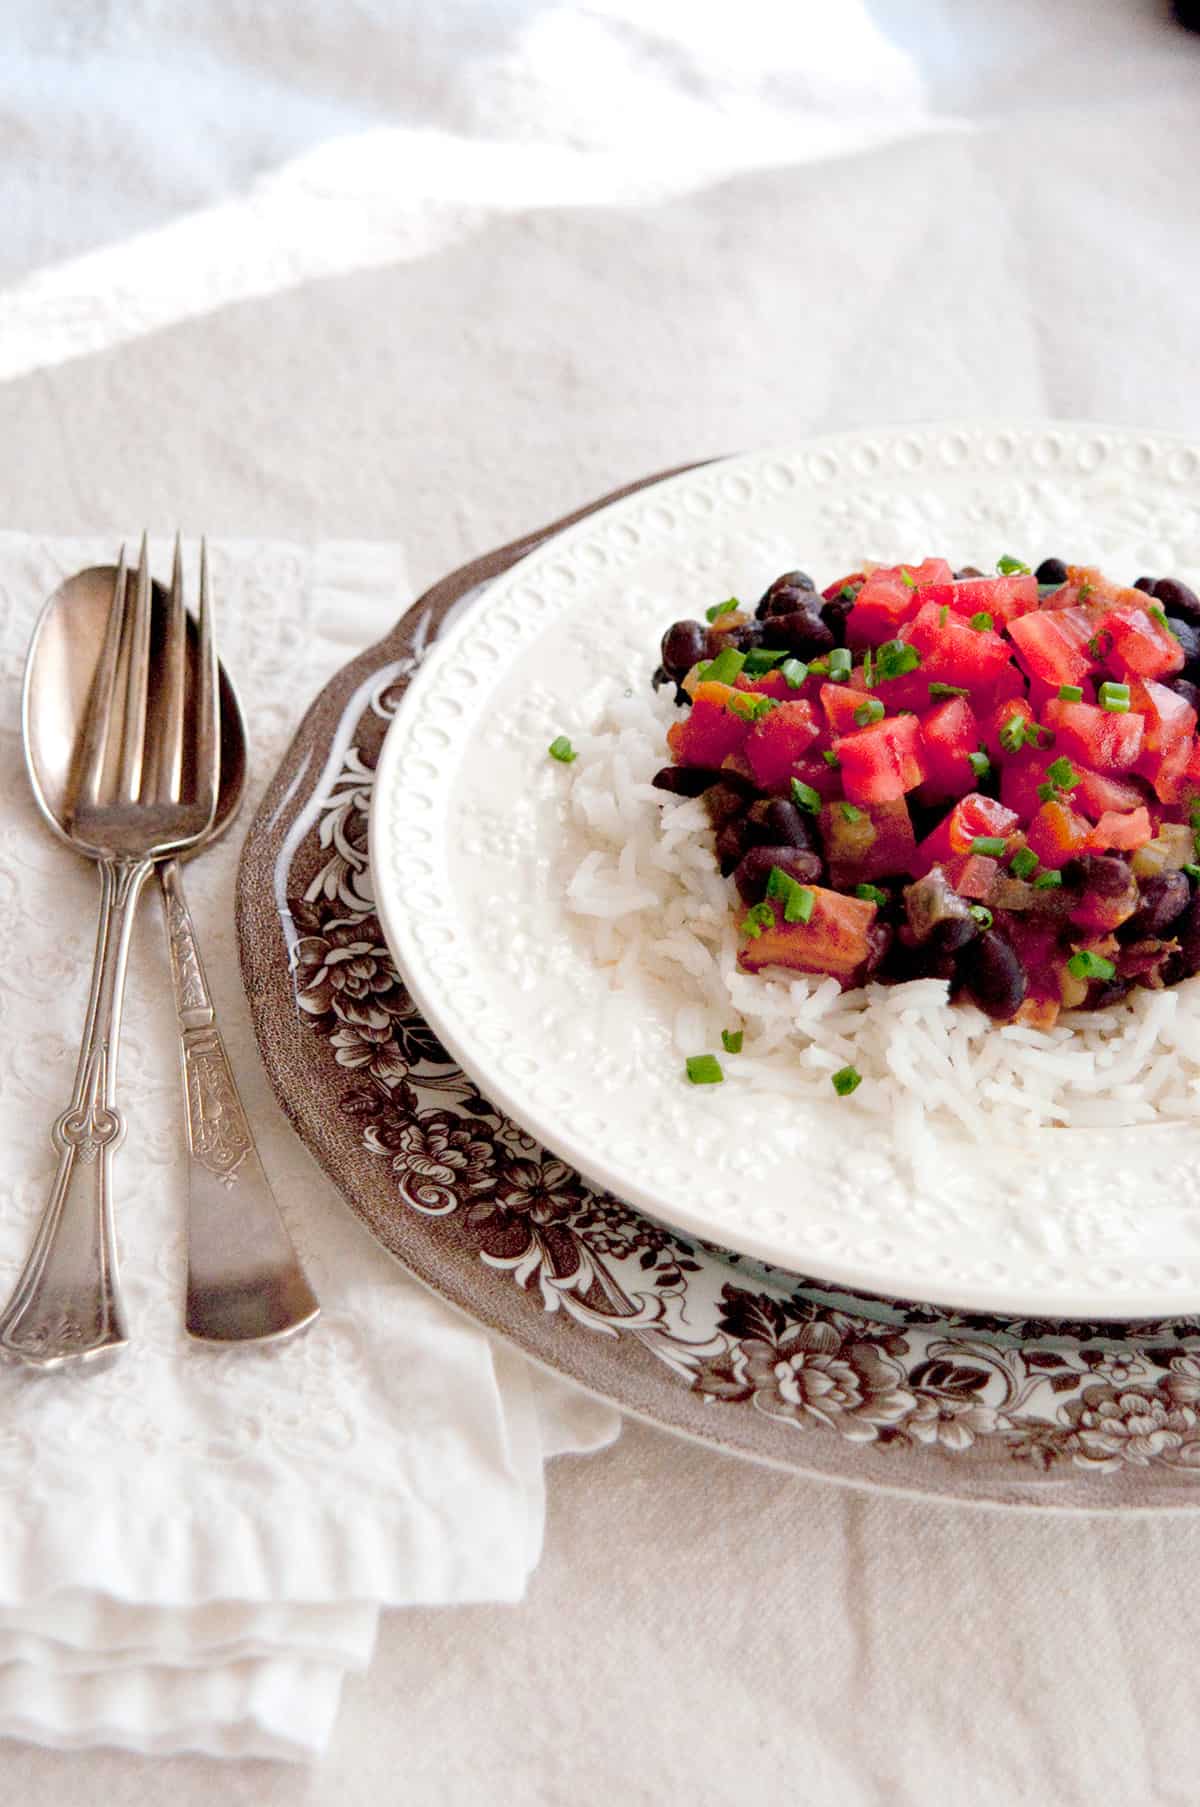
(686, 780)
(746, 635)
(1188, 636)
(1051, 571)
(968, 571)
(1102, 873)
(791, 826)
(802, 632)
(726, 801)
(1186, 963)
(834, 615)
(785, 594)
(683, 646)
(879, 942)
(754, 869)
(1184, 687)
(1164, 898)
(1101, 996)
(1145, 583)
(1177, 598)
(952, 933)
(732, 842)
(994, 974)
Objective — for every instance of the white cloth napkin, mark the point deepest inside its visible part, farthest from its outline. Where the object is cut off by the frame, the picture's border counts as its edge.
(197, 1543)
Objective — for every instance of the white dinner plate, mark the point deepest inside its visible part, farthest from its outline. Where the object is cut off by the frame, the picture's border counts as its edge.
(472, 848)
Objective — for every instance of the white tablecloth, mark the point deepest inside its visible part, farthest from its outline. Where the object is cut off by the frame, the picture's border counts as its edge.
(436, 274)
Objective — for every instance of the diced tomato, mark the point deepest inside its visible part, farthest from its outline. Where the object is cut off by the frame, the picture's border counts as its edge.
(833, 940)
(929, 571)
(1106, 741)
(998, 717)
(768, 683)
(1052, 644)
(1121, 833)
(710, 731)
(909, 692)
(973, 817)
(1096, 794)
(883, 603)
(872, 842)
(971, 874)
(1141, 645)
(882, 762)
(1056, 833)
(855, 578)
(776, 742)
(1170, 722)
(839, 702)
(1009, 684)
(953, 653)
(950, 733)
(1003, 598)
(1019, 780)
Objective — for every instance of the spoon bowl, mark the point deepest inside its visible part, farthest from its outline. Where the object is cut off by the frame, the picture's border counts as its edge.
(63, 656)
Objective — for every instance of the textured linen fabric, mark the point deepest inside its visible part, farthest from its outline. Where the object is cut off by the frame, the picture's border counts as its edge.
(434, 275)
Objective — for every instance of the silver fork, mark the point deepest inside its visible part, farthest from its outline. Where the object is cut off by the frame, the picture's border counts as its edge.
(135, 799)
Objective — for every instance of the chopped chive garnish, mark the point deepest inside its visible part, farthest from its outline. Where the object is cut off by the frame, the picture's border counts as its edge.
(1024, 862)
(906, 577)
(831, 758)
(731, 1040)
(1047, 881)
(848, 592)
(818, 668)
(1192, 872)
(797, 899)
(869, 669)
(704, 1069)
(980, 622)
(1194, 816)
(979, 763)
(1012, 734)
(761, 658)
(1156, 610)
(841, 664)
(749, 705)
(941, 691)
(982, 915)
(1045, 590)
(722, 608)
(871, 894)
(761, 917)
(1090, 966)
(1047, 792)
(1096, 645)
(562, 750)
(845, 1081)
(895, 659)
(1062, 773)
(943, 614)
(805, 797)
(794, 672)
(1071, 693)
(724, 668)
(1085, 590)
(868, 712)
(1114, 698)
(850, 813)
(991, 846)
(1011, 567)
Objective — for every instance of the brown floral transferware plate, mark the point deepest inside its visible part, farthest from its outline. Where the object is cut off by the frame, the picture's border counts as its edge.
(752, 1360)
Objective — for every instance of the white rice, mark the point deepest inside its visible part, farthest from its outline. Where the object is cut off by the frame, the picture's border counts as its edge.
(652, 905)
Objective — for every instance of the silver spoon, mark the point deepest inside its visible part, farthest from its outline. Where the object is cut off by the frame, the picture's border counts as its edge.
(244, 1281)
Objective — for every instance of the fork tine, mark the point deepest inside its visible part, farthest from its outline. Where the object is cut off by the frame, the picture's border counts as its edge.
(89, 771)
(170, 704)
(207, 730)
(137, 680)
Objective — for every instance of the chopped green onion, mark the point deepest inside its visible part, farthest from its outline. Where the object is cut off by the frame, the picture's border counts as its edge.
(1010, 567)
(982, 916)
(724, 668)
(797, 899)
(1085, 590)
(1070, 693)
(562, 750)
(845, 1081)
(761, 917)
(722, 608)
(869, 669)
(979, 763)
(1114, 698)
(704, 1069)
(818, 668)
(1193, 872)
(1045, 590)
(831, 758)
(1024, 862)
(751, 707)
(1013, 734)
(1090, 966)
(794, 672)
(1047, 792)
(871, 894)
(841, 664)
(1047, 881)
(937, 691)
(731, 1040)
(868, 712)
(1096, 645)
(1194, 816)
(1156, 610)
(805, 797)
(895, 659)
(1062, 773)
(992, 846)
(850, 813)
(943, 614)
(849, 591)
(980, 622)
(761, 658)
(906, 577)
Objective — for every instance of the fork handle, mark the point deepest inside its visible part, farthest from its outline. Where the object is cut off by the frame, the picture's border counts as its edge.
(245, 1283)
(66, 1306)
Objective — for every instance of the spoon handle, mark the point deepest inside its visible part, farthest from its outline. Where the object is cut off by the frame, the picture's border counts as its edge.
(245, 1283)
(66, 1305)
